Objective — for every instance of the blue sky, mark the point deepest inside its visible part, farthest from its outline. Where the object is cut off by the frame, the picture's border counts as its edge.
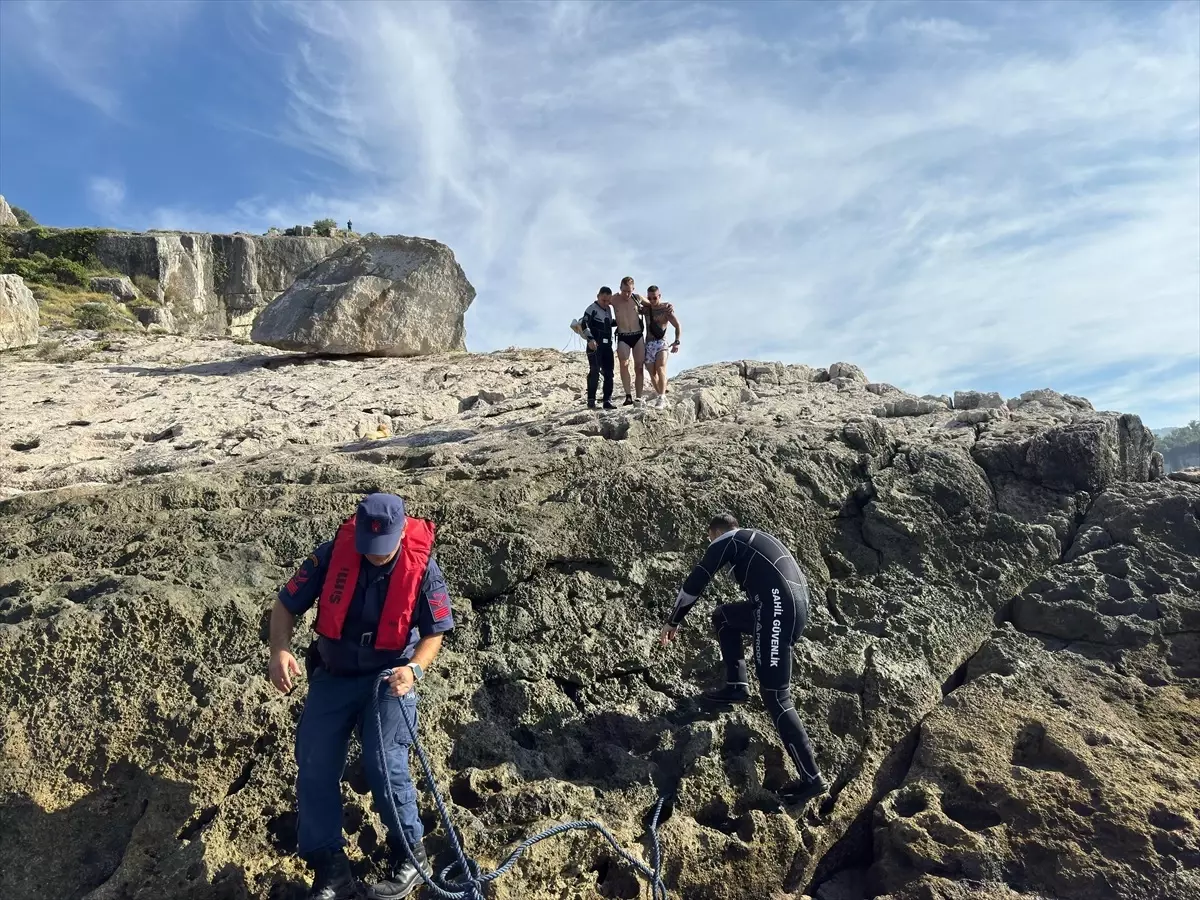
(952, 195)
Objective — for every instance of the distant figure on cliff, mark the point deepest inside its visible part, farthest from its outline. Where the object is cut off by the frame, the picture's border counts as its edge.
(775, 615)
(382, 604)
(349, 225)
(596, 328)
(658, 315)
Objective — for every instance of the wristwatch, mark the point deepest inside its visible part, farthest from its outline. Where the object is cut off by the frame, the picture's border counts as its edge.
(418, 672)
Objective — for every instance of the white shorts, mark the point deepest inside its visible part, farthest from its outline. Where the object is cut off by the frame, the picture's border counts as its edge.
(654, 349)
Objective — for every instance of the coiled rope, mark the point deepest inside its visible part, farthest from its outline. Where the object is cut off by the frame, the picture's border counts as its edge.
(470, 884)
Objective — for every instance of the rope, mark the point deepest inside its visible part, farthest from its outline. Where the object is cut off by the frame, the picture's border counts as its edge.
(472, 881)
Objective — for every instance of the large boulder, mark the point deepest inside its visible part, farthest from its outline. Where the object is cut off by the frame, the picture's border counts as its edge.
(391, 296)
(8, 218)
(18, 314)
(119, 287)
(847, 370)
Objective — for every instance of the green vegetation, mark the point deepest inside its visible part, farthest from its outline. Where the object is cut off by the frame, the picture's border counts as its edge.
(58, 265)
(149, 289)
(58, 308)
(1180, 437)
(220, 265)
(95, 315)
(77, 244)
(325, 227)
(65, 257)
(54, 351)
(24, 219)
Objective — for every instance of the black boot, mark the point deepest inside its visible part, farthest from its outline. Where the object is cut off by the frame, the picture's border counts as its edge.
(331, 876)
(404, 877)
(736, 688)
(731, 692)
(801, 790)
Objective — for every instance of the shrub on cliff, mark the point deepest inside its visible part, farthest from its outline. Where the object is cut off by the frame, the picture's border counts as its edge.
(77, 244)
(148, 287)
(24, 219)
(39, 268)
(67, 271)
(324, 227)
(95, 315)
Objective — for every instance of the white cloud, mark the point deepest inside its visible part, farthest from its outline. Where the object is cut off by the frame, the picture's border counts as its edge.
(107, 197)
(91, 49)
(1011, 201)
(939, 29)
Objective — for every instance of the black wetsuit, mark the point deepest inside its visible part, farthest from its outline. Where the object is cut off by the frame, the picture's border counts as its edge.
(597, 325)
(776, 615)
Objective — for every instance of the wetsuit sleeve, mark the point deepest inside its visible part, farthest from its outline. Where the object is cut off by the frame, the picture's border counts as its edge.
(585, 324)
(434, 613)
(714, 558)
(303, 588)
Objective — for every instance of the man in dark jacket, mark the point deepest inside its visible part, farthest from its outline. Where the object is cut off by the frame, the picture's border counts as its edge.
(382, 604)
(775, 615)
(596, 327)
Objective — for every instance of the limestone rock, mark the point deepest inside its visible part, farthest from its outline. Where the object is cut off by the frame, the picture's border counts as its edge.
(18, 313)
(847, 370)
(158, 318)
(120, 288)
(909, 406)
(1189, 476)
(395, 296)
(212, 283)
(1066, 764)
(162, 489)
(977, 400)
(7, 218)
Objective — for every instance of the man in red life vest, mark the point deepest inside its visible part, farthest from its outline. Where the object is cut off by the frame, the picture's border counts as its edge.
(382, 603)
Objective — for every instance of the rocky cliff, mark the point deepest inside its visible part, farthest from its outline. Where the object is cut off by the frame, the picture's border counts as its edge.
(8, 218)
(209, 283)
(1000, 674)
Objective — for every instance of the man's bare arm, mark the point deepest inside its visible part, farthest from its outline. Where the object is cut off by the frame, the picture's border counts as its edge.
(283, 666)
(426, 651)
(283, 624)
(674, 321)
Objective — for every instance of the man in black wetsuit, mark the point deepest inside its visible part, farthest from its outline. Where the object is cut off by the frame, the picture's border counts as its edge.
(596, 327)
(775, 615)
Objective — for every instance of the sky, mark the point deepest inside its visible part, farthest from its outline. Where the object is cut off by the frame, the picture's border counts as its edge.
(988, 196)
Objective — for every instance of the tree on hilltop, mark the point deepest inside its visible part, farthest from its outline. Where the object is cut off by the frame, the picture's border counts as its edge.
(1180, 437)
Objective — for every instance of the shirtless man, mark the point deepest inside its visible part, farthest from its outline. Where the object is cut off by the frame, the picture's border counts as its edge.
(657, 315)
(630, 344)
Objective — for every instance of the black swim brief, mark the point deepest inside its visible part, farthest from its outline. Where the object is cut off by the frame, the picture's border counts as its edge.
(630, 339)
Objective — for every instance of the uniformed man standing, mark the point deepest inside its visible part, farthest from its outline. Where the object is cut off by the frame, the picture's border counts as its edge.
(382, 604)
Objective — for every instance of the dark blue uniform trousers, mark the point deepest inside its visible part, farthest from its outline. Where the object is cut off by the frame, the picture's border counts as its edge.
(335, 707)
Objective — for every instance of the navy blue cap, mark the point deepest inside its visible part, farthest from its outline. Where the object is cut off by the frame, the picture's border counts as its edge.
(378, 524)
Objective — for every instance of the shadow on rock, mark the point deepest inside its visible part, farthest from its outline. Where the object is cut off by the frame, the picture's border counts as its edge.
(108, 844)
(603, 750)
(227, 367)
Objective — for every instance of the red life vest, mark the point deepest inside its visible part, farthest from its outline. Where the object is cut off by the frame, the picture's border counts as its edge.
(404, 584)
